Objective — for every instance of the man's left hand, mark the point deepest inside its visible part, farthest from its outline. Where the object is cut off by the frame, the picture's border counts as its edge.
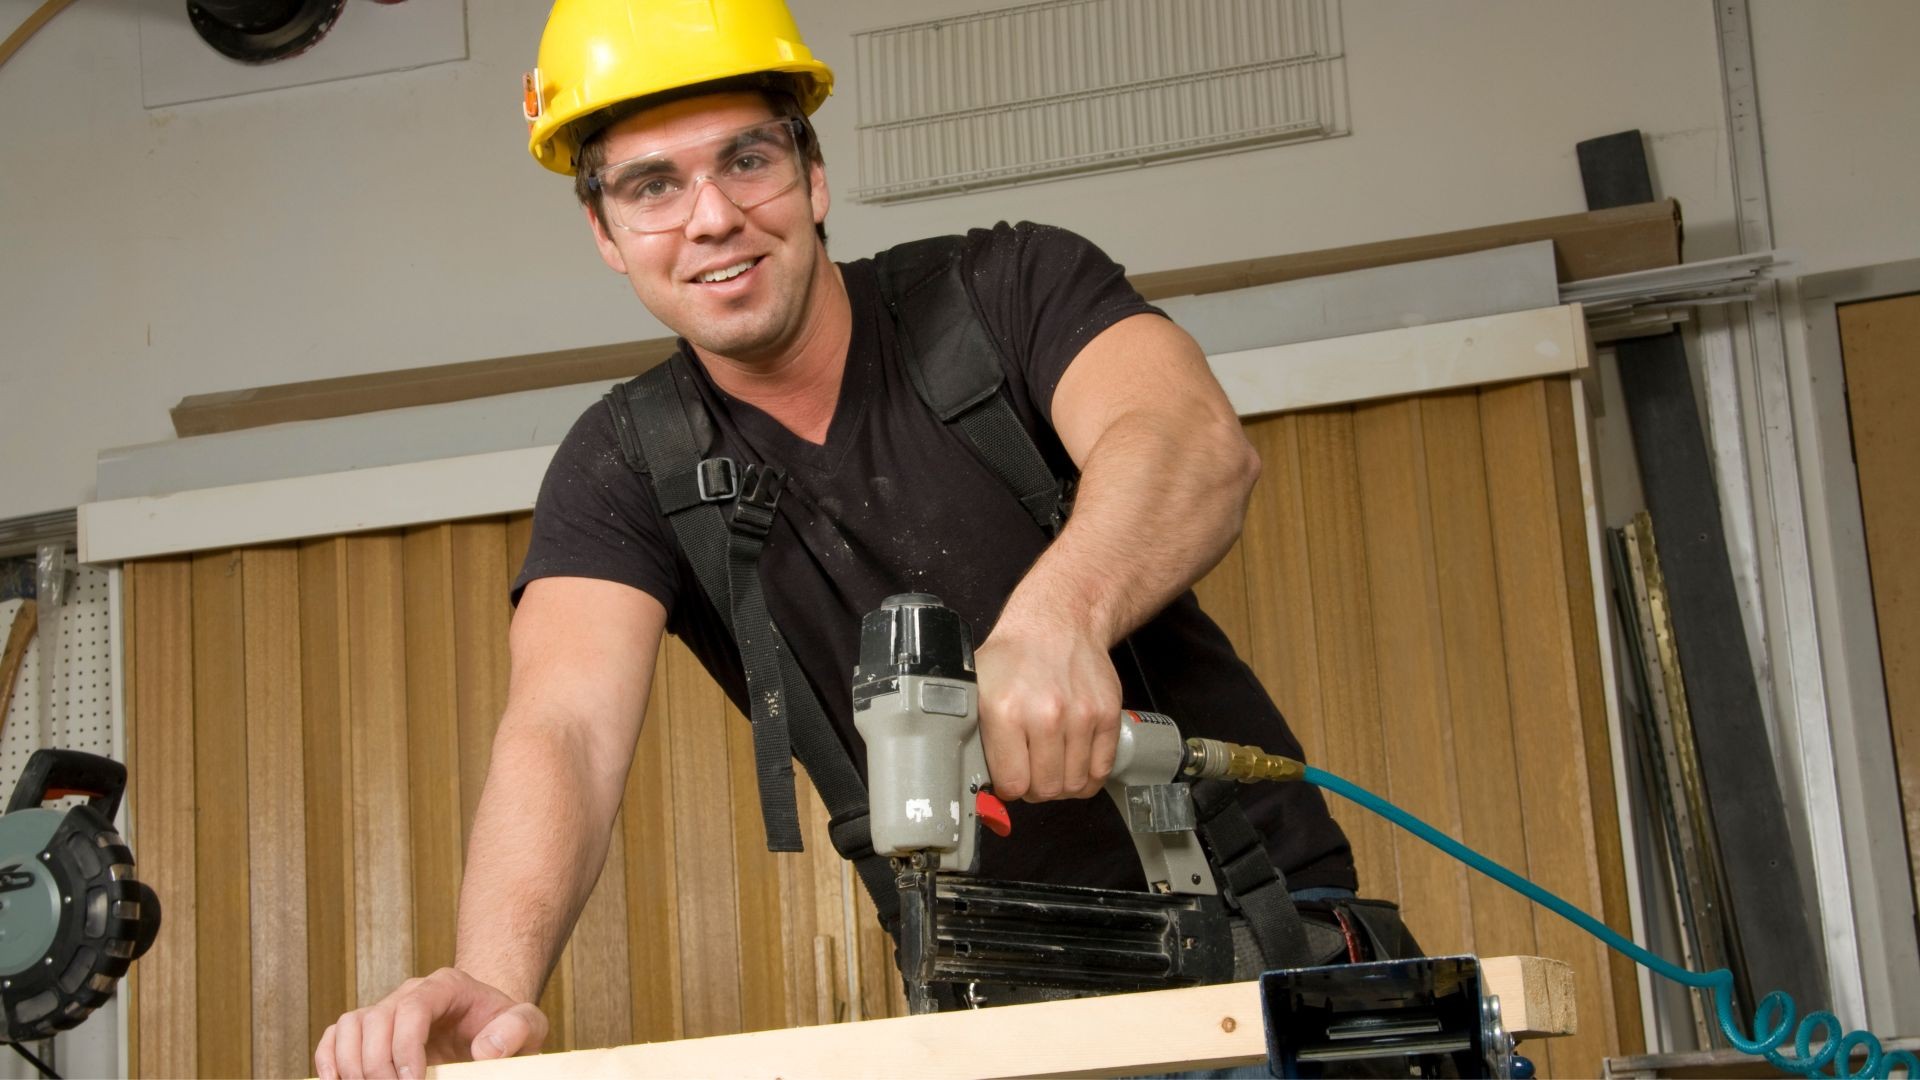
(1049, 712)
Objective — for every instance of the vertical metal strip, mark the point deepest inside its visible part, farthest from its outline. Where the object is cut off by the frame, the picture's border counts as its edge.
(1807, 718)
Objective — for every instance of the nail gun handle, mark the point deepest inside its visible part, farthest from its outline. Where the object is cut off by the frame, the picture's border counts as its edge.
(52, 774)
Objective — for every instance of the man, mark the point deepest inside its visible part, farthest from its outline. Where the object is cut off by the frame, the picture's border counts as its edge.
(704, 188)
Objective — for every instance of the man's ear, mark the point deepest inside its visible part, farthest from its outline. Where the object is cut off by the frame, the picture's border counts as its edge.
(609, 251)
(817, 191)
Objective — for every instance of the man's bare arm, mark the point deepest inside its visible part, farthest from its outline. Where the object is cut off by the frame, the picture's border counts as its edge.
(1165, 476)
(582, 662)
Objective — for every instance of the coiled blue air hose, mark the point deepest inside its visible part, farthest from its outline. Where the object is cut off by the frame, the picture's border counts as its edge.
(1774, 1016)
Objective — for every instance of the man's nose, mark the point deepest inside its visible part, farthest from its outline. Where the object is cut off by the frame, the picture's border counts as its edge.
(714, 212)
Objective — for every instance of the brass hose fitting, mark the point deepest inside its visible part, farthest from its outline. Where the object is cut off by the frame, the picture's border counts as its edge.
(1209, 759)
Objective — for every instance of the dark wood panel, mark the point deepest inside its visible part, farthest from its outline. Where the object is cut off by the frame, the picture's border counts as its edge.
(1584, 622)
(762, 968)
(1355, 746)
(331, 930)
(433, 752)
(221, 822)
(1409, 647)
(703, 848)
(480, 617)
(1283, 649)
(276, 777)
(653, 909)
(1482, 719)
(166, 1018)
(382, 806)
(1550, 750)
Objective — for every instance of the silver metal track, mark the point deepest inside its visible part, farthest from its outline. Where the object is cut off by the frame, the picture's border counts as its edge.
(1801, 678)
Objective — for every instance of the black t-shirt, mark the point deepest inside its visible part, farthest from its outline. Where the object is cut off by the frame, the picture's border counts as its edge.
(894, 501)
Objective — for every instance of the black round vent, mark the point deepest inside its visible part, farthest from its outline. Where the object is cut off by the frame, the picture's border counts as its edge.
(262, 31)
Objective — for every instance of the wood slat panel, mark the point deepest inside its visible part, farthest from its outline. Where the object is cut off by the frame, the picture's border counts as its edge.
(601, 976)
(519, 536)
(276, 775)
(160, 617)
(377, 717)
(810, 915)
(225, 978)
(1355, 745)
(876, 970)
(1476, 666)
(1542, 685)
(1584, 622)
(703, 845)
(324, 693)
(653, 910)
(480, 616)
(433, 751)
(763, 981)
(1283, 648)
(1409, 648)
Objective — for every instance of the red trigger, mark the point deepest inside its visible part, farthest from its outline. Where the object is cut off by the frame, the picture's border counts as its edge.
(993, 813)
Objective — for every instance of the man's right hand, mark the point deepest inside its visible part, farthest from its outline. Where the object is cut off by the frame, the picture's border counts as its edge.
(447, 1016)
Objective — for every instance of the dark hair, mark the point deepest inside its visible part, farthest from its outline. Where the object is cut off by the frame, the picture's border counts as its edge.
(777, 90)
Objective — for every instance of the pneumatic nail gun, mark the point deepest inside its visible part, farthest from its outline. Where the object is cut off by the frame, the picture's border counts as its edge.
(916, 705)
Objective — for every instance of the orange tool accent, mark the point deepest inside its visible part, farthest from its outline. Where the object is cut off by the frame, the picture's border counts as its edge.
(993, 813)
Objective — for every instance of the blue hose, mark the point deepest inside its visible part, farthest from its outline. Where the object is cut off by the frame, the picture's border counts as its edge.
(1774, 1016)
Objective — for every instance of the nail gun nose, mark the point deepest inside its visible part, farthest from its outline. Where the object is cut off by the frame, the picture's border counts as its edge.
(992, 812)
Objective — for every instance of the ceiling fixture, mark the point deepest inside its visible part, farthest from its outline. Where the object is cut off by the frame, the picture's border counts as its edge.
(263, 31)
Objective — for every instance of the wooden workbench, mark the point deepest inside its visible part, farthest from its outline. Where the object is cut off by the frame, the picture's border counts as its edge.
(1156, 1032)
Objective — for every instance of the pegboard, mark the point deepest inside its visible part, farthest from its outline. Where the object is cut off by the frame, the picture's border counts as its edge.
(80, 711)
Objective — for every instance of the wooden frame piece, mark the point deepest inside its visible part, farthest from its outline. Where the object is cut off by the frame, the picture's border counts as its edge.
(1200, 1027)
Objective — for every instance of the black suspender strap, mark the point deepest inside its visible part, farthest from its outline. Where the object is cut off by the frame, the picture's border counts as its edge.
(955, 366)
(1253, 884)
(657, 417)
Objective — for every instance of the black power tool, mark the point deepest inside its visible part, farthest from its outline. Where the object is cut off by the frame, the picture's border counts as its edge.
(72, 916)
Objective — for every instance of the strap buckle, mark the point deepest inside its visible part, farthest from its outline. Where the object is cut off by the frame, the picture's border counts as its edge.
(758, 494)
(716, 480)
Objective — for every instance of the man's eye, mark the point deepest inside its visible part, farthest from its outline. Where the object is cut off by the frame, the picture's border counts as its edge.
(749, 163)
(653, 190)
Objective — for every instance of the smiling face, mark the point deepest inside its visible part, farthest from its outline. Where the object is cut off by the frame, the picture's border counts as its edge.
(740, 284)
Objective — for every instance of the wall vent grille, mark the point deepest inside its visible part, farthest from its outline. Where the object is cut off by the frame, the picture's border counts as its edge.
(1063, 87)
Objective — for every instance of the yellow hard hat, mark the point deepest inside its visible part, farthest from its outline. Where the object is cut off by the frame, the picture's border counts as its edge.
(597, 53)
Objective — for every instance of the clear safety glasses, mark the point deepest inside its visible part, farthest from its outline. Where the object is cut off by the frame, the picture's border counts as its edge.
(656, 192)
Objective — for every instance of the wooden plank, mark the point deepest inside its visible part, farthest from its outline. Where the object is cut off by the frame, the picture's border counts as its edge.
(232, 410)
(653, 910)
(1409, 648)
(1397, 363)
(1878, 341)
(433, 752)
(1469, 602)
(130, 820)
(324, 693)
(382, 810)
(480, 617)
(809, 921)
(875, 973)
(762, 970)
(1550, 750)
(703, 842)
(166, 1020)
(1355, 745)
(1283, 649)
(602, 1015)
(1199, 1027)
(276, 772)
(1595, 244)
(221, 819)
(1585, 245)
(1577, 530)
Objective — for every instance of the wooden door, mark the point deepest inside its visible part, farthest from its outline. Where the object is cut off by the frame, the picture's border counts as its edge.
(1880, 349)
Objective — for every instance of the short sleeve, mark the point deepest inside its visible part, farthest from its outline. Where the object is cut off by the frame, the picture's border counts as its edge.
(1044, 293)
(596, 517)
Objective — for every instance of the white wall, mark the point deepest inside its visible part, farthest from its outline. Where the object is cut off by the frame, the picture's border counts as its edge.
(395, 220)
